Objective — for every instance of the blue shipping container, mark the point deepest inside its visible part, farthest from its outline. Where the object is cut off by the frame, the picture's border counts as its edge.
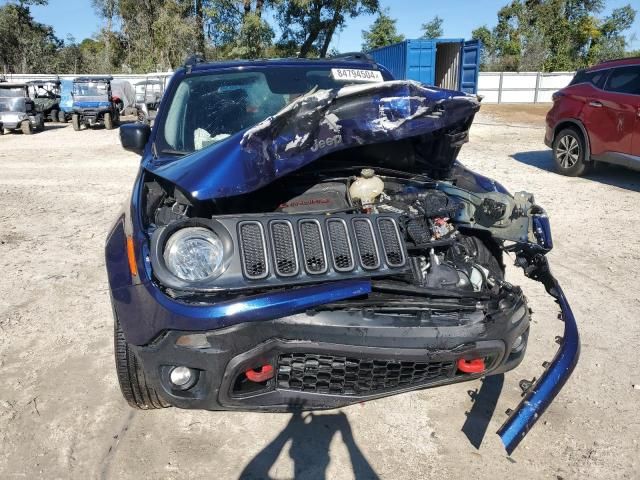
(443, 62)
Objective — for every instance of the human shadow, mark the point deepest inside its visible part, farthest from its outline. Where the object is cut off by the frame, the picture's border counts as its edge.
(484, 404)
(613, 175)
(310, 438)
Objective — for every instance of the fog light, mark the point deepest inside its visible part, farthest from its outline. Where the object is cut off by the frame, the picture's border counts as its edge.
(518, 344)
(182, 377)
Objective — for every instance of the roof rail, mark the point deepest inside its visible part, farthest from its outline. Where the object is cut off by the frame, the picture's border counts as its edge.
(354, 56)
(192, 60)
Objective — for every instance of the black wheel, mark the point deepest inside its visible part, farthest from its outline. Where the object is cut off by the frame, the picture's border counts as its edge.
(62, 118)
(75, 120)
(54, 115)
(133, 382)
(26, 128)
(108, 121)
(569, 153)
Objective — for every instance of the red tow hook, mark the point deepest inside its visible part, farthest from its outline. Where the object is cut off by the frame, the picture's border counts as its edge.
(262, 374)
(475, 365)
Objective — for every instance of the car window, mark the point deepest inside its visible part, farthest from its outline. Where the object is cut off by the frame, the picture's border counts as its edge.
(595, 78)
(624, 80)
(208, 108)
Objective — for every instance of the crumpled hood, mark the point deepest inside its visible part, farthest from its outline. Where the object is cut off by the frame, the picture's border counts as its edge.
(311, 127)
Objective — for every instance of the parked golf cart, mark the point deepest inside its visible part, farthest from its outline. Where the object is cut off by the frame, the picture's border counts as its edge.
(17, 110)
(148, 95)
(124, 97)
(93, 103)
(46, 98)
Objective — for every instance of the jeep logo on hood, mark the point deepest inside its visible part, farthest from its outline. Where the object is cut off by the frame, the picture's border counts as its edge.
(327, 142)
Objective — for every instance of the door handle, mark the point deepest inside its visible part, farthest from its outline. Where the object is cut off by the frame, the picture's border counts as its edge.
(595, 103)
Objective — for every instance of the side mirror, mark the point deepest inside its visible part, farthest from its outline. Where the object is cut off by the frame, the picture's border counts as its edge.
(134, 137)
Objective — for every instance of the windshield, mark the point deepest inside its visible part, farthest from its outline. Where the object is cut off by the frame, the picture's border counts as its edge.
(96, 90)
(208, 108)
(12, 92)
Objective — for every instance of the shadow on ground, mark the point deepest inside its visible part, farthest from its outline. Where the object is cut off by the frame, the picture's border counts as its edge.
(310, 438)
(484, 404)
(607, 174)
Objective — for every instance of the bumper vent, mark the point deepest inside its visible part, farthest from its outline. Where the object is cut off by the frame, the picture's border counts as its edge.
(335, 375)
(253, 250)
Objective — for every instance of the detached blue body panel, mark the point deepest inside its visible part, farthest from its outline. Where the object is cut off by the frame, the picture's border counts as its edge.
(540, 396)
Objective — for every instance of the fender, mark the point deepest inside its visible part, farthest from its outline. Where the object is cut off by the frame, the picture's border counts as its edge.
(585, 134)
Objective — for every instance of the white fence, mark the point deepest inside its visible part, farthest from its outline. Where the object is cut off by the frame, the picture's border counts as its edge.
(521, 87)
(495, 87)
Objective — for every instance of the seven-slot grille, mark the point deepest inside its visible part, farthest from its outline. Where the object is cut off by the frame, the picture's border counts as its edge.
(327, 374)
(315, 246)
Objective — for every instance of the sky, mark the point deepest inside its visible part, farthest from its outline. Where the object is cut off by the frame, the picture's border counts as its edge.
(76, 17)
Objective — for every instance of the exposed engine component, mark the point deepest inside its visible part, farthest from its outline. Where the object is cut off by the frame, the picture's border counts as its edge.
(366, 188)
(323, 197)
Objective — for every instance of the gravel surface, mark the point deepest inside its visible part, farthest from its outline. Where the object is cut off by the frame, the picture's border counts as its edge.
(62, 415)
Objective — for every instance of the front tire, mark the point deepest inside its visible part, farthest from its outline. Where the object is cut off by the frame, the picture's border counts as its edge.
(133, 383)
(569, 153)
(54, 115)
(108, 121)
(75, 120)
(26, 128)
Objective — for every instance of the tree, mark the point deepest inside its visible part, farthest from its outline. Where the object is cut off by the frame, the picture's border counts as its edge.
(311, 24)
(554, 35)
(382, 33)
(433, 28)
(27, 46)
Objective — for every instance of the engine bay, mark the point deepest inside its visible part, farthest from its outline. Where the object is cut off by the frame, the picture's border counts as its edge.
(453, 239)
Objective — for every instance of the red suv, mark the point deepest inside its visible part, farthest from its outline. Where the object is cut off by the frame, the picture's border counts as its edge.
(597, 118)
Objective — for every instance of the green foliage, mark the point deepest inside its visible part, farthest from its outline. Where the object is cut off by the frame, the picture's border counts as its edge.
(554, 35)
(433, 28)
(311, 24)
(383, 32)
(26, 45)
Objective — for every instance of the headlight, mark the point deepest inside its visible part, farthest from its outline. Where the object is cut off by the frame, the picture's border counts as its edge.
(194, 254)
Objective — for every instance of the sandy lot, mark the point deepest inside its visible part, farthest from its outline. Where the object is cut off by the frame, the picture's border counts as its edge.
(62, 415)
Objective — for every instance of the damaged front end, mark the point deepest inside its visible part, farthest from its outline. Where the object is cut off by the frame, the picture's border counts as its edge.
(331, 253)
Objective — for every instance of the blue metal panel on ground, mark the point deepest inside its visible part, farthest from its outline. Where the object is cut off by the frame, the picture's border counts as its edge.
(470, 66)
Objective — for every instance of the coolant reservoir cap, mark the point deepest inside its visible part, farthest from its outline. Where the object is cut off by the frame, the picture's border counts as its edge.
(367, 172)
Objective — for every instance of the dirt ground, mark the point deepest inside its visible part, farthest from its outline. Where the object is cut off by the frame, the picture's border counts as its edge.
(62, 415)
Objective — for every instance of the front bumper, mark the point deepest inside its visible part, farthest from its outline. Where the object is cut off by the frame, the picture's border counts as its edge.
(12, 120)
(346, 356)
